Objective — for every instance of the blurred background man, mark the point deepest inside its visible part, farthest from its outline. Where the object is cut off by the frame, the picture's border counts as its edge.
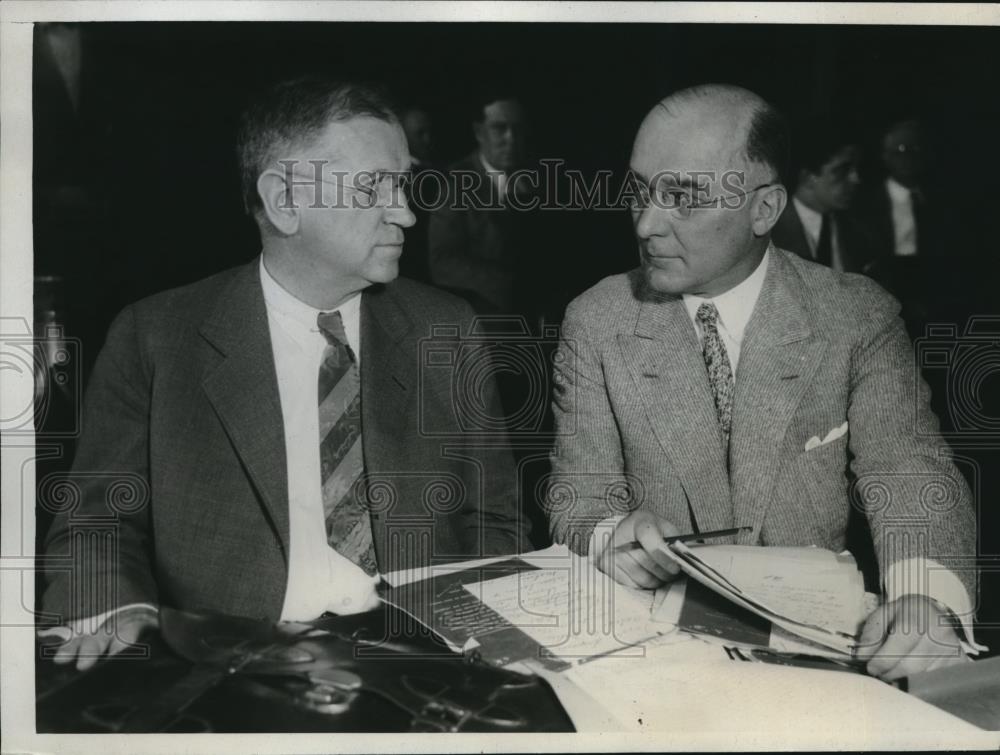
(479, 240)
(816, 224)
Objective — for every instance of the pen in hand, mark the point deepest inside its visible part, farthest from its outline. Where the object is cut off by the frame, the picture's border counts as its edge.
(634, 544)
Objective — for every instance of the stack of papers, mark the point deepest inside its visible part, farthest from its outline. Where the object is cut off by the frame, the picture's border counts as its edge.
(810, 593)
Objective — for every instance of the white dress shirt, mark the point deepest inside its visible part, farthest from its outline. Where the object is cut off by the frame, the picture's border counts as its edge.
(497, 176)
(319, 578)
(904, 224)
(735, 307)
(812, 224)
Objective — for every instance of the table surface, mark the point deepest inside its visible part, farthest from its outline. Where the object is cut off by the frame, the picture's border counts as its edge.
(102, 699)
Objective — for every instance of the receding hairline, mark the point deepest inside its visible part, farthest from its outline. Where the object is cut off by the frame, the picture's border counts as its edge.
(747, 104)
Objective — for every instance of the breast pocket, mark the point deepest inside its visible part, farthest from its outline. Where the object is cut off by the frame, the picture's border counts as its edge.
(813, 494)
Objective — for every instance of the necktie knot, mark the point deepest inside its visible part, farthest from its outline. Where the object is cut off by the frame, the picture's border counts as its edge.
(331, 325)
(708, 316)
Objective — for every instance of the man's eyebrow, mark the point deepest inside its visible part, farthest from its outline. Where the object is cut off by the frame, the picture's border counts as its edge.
(675, 178)
(638, 174)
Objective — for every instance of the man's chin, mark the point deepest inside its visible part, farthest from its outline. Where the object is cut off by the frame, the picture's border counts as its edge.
(663, 282)
(389, 271)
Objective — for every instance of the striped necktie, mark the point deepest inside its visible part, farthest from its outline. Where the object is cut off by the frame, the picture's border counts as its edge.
(348, 525)
(720, 372)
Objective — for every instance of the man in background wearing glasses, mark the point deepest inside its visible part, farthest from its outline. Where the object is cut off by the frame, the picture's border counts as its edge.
(283, 443)
(726, 382)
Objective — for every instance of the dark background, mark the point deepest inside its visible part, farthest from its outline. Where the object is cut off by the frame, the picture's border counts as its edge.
(136, 191)
(159, 103)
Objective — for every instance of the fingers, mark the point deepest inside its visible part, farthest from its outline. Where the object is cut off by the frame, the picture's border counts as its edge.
(654, 564)
(872, 635)
(127, 631)
(118, 633)
(652, 557)
(641, 571)
(68, 650)
(91, 648)
(902, 639)
(895, 658)
(667, 529)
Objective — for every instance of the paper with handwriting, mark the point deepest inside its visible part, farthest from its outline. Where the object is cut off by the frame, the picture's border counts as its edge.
(574, 612)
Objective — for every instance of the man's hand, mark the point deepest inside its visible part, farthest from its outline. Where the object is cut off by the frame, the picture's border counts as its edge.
(907, 636)
(645, 567)
(120, 631)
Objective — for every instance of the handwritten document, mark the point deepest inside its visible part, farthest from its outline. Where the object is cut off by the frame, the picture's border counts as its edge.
(810, 592)
(572, 610)
(811, 587)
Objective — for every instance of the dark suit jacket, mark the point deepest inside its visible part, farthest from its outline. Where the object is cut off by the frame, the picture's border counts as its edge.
(789, 233)
(181, 463)
(480, 248)
(636, 424)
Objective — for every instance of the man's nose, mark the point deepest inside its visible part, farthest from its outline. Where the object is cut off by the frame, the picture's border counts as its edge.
(398, 212)
(651, 221)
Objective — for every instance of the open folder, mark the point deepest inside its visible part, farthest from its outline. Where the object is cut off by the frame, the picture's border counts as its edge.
(810, 593)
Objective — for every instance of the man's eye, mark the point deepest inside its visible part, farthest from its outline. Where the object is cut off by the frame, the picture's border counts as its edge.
(673, 198)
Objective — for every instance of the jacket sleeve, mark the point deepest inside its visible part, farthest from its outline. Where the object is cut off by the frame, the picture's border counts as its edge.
(917, 502)
(588, 482)
(97, 552)
(496, 523)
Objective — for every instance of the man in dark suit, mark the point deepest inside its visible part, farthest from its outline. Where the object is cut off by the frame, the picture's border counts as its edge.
(816, 224)
(266, 442)
(728, 382)
(485, 240)
(913, 257)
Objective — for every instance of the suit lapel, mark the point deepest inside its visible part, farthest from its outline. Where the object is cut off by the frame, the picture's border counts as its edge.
(243, 390)
(668, 370)
(797, 233)
(777, 361)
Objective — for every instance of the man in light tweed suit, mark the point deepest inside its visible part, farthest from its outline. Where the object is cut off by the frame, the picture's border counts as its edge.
(726, 382)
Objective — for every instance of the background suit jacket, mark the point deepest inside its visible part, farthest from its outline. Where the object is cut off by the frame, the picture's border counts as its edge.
(855, 246)
(494, 254)
(181, 464)
(636, 424)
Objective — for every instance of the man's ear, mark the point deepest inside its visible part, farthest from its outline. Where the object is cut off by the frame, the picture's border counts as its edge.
(479, 132)
(768, 208)
(279, 205)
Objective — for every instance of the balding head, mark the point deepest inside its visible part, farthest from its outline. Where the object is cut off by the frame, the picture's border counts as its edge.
(750, 132)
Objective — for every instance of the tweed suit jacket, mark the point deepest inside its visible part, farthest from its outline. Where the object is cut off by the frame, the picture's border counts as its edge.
(182, 455)
(637, 427)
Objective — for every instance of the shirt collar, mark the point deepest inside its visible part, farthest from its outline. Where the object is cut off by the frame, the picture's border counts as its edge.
(807, 213)
(812, 220)
(735, 305)
(296, 312)
(489, 167)
(897, 191)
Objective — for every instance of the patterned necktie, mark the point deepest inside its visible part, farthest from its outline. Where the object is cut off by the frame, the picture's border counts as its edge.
(720, 373)
(348, 526)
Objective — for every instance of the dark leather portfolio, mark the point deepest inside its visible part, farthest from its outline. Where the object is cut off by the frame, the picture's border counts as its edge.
(374, 672)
